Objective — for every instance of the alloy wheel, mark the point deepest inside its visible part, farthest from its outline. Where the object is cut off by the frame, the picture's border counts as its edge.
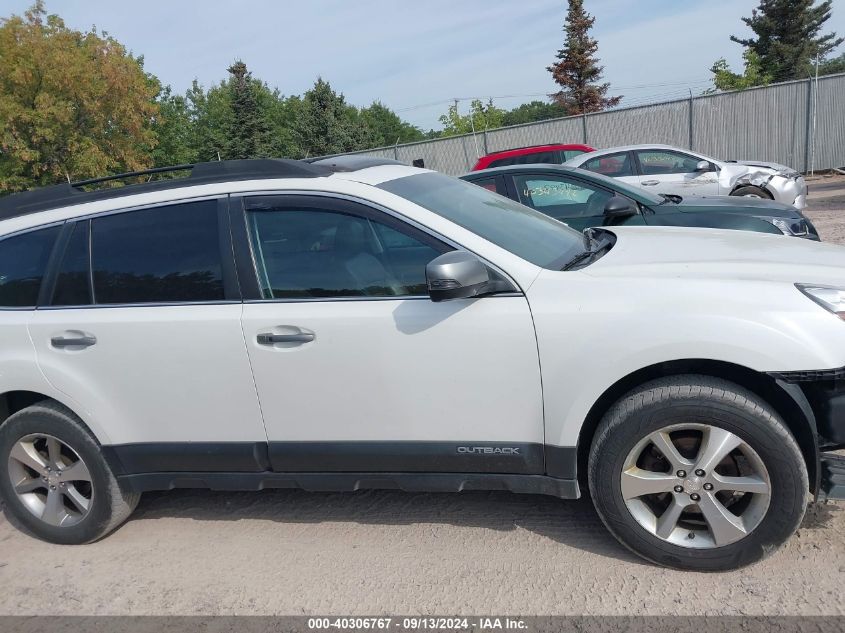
(50, 479)
(696, 486)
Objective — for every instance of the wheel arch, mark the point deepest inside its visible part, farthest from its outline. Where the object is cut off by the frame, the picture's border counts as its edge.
(13, 401)
(788, 401)
(769, 195)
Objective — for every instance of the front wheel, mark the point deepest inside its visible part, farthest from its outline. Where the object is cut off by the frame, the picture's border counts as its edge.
(697, 473)
(750, 191)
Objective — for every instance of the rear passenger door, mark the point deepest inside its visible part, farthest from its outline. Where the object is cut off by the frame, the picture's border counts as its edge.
(140, 326)
(619, 165)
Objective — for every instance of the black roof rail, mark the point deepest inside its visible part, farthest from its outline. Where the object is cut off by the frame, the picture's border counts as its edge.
(67, 194)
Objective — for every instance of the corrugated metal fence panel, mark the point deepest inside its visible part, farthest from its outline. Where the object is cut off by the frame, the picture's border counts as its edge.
(763, 124)
(662, 123)
(771, 124)
(830, 124)
(568, 130)
(454, 155)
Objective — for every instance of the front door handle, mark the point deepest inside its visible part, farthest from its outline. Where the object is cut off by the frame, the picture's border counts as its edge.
(649, 183)
(269, 338)
(73, 341)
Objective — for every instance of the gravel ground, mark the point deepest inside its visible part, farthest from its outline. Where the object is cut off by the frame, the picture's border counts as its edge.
(384, 552)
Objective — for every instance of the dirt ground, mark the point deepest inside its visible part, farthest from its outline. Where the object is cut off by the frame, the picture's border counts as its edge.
(385, 552)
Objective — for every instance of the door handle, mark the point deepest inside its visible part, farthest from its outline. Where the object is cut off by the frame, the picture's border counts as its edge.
(649, 183)
(269, 338)
(73, 341)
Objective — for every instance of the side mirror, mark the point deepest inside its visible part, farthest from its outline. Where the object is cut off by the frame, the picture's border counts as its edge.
(618, 207)
(702, 165)
(456, 275)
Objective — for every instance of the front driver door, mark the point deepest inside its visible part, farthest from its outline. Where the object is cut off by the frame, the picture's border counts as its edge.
(357, 370)
(664, 171)
(572, 201)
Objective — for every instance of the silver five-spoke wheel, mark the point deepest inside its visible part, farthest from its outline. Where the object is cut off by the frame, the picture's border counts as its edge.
(696, 485)
(50, 479)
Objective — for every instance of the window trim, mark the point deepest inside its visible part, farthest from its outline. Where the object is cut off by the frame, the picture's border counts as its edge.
(246, 263)
(231, 289)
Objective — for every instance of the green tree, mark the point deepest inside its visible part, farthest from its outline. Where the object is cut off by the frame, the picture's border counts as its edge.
(725, 79)
(72, 104)
(326, 124)
(788, 36)
(249, 134)
(386, 128)
(534, 111)
(481, 117)
(173, 127)
(833, 66)
(577, 70)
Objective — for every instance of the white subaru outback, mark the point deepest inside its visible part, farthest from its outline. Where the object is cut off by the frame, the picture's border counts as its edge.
(357, 323)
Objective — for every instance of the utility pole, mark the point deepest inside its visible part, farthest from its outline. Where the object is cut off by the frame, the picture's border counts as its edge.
(815, 102)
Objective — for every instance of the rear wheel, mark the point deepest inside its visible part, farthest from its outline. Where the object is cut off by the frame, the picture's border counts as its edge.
(697, 473)
(54, 480)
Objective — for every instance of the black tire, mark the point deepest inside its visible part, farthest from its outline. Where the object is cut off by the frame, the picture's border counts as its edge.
(717, 403)
(109, 505)
(752, 191)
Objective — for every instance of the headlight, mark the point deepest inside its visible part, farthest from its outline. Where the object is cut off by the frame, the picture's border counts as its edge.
(787, 226)
(832, 299)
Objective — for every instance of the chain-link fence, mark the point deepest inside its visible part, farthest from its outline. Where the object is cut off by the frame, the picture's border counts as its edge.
(798, 123)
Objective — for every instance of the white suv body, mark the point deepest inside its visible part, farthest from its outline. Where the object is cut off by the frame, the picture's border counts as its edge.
(254, 371)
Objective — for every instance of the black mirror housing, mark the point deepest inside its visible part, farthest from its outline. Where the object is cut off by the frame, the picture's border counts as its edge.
(457, 275)
(619, 207)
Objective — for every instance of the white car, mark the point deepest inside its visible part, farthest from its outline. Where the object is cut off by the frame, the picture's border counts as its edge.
(669, 170)
(357, 323)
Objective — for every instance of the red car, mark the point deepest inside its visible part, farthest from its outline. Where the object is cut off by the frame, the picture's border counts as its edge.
(555, 153)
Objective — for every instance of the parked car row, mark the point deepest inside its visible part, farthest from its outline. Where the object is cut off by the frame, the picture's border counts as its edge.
(658, 185)
(356, 323)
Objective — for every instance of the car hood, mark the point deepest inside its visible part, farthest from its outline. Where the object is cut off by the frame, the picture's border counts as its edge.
(737, 204)
(719, 254)
(776, 167)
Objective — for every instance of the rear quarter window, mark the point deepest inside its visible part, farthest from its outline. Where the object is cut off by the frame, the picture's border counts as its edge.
(23, 260)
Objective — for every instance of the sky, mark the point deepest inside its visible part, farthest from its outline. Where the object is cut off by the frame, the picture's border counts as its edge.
(416, 56)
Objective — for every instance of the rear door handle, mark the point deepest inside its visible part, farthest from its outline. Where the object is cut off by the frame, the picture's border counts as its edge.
(269, 338)
(73, 341)
(649, 183)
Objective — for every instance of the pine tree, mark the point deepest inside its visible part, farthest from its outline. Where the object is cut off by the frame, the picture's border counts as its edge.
(248, 136)
(788, 36)
(578, 71)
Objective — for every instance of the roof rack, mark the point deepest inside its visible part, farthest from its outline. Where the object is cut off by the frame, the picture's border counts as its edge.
(352, 162)
(67, 194)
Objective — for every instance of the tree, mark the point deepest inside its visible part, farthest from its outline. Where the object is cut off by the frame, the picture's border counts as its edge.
(788, 36)
(534, 111)
(326, 123)
(725, 79)
(577, 70)
(481, 117)
(248, 136)
(833, 66)
(386, 128)
(72, 104)
(173, 128)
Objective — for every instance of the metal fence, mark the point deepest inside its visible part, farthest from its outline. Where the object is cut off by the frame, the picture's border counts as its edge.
(797, 123)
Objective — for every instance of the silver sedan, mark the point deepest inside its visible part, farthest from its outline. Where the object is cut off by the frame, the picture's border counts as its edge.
(670, 170)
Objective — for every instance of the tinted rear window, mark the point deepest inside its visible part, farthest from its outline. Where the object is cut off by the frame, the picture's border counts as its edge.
(23, 259)
(160, 255)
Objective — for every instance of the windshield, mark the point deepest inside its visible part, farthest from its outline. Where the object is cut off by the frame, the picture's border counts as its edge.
(522, 231)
